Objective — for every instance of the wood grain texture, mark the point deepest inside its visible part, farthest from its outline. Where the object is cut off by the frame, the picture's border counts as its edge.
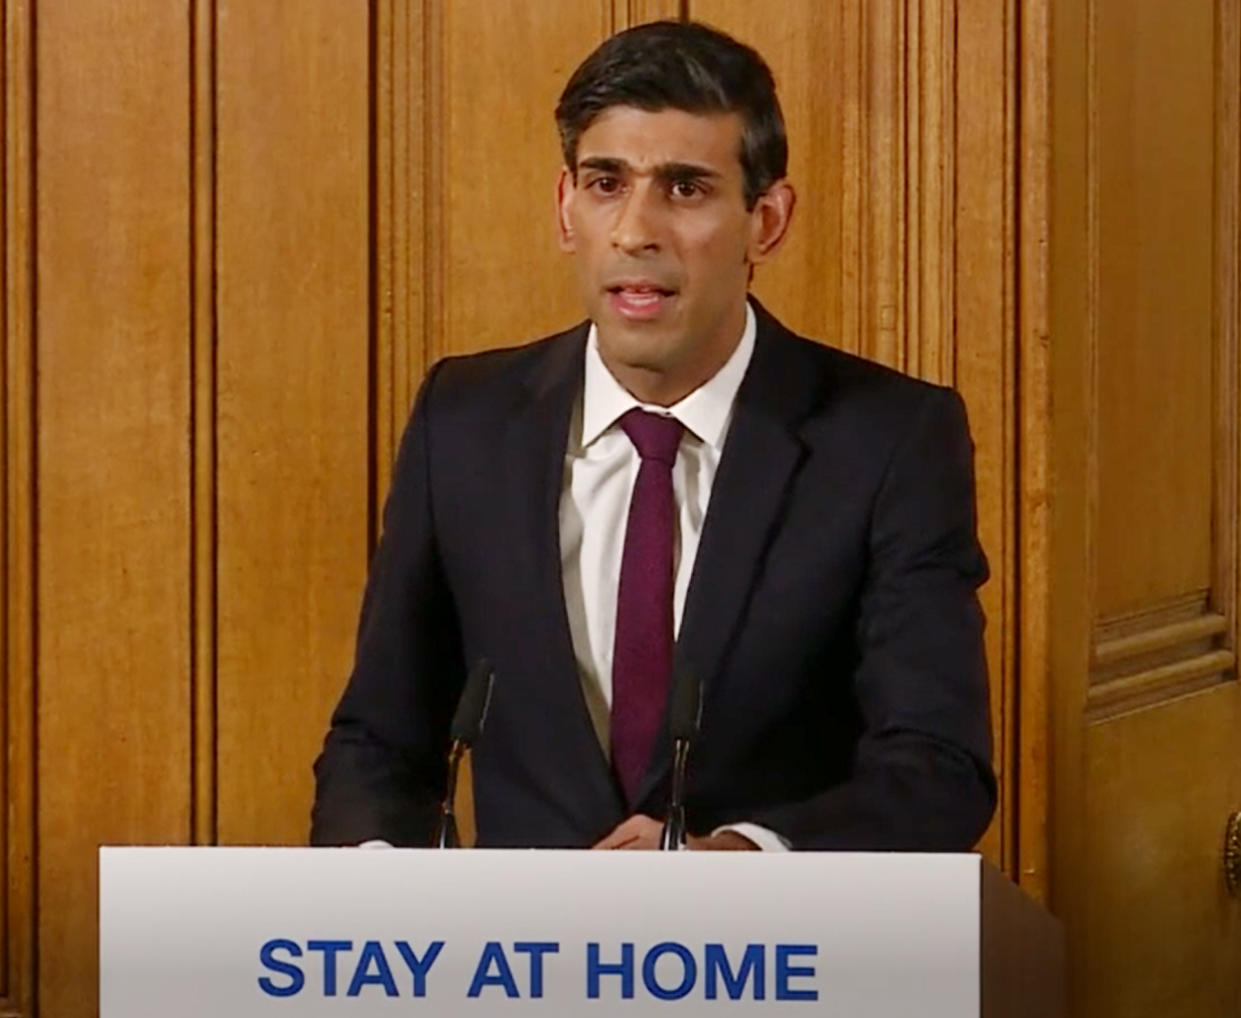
(981, 346)
(1226, 521)
(113, 465)
(497, 276)
(884, 237)
(17, 429)
(1162, 930)
(292, 395)
(1033, 449)
(1070, 601)
(400, 195)
(627, 13)
(1154, 152)
(932, 134)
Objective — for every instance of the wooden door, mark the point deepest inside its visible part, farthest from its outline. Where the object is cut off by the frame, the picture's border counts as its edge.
(1141, 407)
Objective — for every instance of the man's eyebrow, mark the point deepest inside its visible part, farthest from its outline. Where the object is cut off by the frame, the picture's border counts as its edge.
(684, 171)
(664, 171)
(602, 163)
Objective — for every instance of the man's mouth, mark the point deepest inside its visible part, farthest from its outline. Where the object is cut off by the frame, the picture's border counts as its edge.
(639, 301)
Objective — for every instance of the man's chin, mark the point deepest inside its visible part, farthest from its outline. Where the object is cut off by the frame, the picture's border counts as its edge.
(643, 349)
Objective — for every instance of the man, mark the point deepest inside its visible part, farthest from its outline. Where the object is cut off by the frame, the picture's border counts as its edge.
(680, 467)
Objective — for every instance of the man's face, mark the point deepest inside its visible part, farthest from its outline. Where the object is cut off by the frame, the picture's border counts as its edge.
(663, 243)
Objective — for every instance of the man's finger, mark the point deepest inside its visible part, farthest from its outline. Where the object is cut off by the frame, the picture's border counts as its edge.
(629, 833)
(616, 839)
(619, 835)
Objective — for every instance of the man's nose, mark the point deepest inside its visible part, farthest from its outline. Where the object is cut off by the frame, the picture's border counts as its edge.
(636, 228)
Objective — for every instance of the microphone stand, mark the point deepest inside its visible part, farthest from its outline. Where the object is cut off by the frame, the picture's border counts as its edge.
(673, 837)
(446, 835)
(684, 720)
(467, 725)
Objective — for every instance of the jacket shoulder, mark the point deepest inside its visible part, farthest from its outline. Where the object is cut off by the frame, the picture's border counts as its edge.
(843, 388)
(524, 362)
(852, 373)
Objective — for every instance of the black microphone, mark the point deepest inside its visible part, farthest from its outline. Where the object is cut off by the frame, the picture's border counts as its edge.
(467, 725)
(684, 720)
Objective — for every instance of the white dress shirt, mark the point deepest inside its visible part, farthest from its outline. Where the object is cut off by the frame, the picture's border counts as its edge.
(601, 466)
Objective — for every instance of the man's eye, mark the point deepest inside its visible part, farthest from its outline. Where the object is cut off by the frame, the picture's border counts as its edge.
(686, 188)
(605, 185)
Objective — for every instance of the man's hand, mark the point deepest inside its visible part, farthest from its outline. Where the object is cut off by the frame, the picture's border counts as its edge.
(642, 832)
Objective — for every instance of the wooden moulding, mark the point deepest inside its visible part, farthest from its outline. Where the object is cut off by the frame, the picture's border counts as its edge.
(17, 373)
(203, 432)
(1034, 699)
(1160, 653)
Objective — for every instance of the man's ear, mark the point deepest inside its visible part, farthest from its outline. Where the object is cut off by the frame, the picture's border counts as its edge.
(769, 221)
(566, 190)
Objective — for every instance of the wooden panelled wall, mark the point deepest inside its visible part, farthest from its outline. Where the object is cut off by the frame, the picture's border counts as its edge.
(237, 233)
(187, 446)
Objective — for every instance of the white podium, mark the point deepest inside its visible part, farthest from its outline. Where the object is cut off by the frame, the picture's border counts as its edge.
(317, 932)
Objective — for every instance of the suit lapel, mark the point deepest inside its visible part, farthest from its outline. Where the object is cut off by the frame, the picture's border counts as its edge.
(533, 452)
(760, 459)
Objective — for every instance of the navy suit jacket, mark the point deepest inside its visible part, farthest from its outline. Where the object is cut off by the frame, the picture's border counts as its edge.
(832, 615)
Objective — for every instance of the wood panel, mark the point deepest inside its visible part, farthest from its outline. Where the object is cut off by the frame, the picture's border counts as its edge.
(978, 351)
(1161, 947)
(496, 155)
(1033, 701)
(112, 461)
(400, 240)
(933, 164)
(1152, 220)
(17, 516)
(627, 13)
(292, 381)
(1065, 402)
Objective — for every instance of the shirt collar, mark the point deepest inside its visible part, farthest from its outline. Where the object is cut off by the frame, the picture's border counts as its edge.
(706, 411)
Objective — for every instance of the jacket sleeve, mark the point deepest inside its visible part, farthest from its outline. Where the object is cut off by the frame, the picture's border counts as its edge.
(381, 771)
(921, 777)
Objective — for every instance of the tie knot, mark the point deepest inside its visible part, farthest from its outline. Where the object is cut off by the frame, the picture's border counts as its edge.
(655, 436)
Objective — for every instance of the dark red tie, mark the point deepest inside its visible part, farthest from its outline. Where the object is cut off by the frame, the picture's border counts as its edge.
(642, 655)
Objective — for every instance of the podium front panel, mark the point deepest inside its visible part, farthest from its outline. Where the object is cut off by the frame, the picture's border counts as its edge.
(260, 932)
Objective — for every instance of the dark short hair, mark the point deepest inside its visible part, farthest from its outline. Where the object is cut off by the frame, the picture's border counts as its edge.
(684, 66)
